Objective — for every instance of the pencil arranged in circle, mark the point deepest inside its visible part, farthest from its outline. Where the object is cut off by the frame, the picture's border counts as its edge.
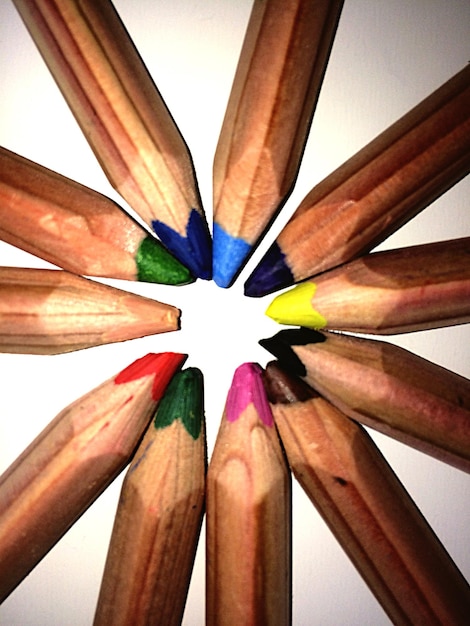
(396, 291)
(366, 507)
(268, 116)
(124, 118)
(73, 460)
(54, 311)
(248, 553)
(385, 387)
(76, 228)
(159, 515)
(376, 191)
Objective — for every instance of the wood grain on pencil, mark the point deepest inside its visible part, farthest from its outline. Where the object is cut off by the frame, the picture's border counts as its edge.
(72, 461)
(273, 97)
(384, 386)
(396, 291)
(124, 118)
(53, 311)
(248, 513)
(377, 190)
(159, 515)
(366, 507)
(76, 228)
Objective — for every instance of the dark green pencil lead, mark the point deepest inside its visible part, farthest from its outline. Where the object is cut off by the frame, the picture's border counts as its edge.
(183, 400)
(155, 264)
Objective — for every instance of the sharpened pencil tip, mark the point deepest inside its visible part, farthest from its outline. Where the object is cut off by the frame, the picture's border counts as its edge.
(195, 249)
(294, 307)
(183, 400)
(162, 366)
(280, 345)
(247, 388)
(271, 274)
(229, 256)
(155, 264)
(283, 388)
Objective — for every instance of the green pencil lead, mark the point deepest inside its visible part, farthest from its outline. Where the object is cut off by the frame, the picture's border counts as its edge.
(156, 264)
(183, 400)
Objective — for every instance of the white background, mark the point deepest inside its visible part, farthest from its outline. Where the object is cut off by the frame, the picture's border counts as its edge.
(387, 56)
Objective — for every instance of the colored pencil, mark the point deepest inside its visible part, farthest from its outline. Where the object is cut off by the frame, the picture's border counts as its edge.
(248, 560)
(124, 118)
(366, 507)
(76, 228)
(159, 516)
(72, 461)
(397, 291)
(376, 191)
(268, 116)
(385, 387)
(54, 311)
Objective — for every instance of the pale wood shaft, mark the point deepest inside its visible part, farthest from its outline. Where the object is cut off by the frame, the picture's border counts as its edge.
(394, 391)
(52, 311)
(404, 290)
(155, 533)
(270, 108)
(370, 513)
(248, 520)
(70, 463)
(65, 222)
(117, 105)
(384, 185)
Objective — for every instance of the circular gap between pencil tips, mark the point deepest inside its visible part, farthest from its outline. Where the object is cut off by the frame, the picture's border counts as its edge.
(218, 324)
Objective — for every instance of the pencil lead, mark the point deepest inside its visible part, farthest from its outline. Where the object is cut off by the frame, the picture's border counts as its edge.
(155, 264)
(280, 345)
(183, 400)
(294, 307)
(229, 255)
(272, 273)
(247, 388)
(285, 354)
(282, 388)
(164, 364)
(195, 249)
